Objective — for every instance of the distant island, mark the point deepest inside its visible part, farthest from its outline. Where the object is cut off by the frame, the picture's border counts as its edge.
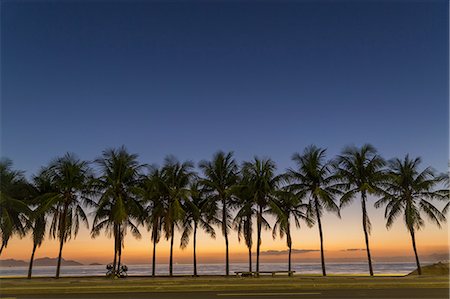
(13, 263)
(46, 261)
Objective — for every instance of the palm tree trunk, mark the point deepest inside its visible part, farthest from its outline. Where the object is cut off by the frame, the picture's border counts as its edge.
(154, 256)
(413, 238)
(319, 224)
(289, 259)
(1, 249)
(115, 248)
(366, 231)
(225, 234)
(62, 235)
(119, 258)
(195, 246)
(249, 259)
(171, 250)
(289, 241)
(258, 244)
(119, 249)
(115, 257)
(227, 257)
(58, 266)
(30, 268)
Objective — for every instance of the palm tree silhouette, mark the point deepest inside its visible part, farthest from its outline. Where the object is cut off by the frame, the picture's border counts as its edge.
(152, 194)
(243, 221)
(408, 192)
(360, 171)
(69, 176)
(221, 174)
(198, 214)
(260, 176)
(13, 206)
(176, 178)
(43, 189)
(285, 207)
(118, 208)
(313, 179)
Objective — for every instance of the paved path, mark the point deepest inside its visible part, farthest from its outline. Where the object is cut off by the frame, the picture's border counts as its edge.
(410, 293)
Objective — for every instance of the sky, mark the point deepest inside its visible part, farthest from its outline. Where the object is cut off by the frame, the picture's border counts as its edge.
(262, 78)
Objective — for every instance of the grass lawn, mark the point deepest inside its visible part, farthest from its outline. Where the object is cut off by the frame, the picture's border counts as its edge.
(213, 283)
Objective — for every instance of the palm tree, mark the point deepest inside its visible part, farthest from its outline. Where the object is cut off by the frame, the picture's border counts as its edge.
(286, 207)
(69, 177)
(243, 221)
(118, 206)
(446, 192)
(13, 207)
(221, 174)
(408, 191)
(155, 208)
(313, 179)
(360, 171)
(198, 214)
(260, 176)
(176, 178)
(43, 190)
(38, 225)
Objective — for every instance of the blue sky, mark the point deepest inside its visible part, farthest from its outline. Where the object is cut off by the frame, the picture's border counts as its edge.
(192, 77)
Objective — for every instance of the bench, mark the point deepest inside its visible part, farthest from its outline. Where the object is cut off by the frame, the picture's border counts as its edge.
(245, 273)
(256, 274)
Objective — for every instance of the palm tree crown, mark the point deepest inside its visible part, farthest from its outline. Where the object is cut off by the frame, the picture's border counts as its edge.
(13, 207)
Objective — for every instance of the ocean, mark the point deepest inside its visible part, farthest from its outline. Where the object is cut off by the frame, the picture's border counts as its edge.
(217, 269)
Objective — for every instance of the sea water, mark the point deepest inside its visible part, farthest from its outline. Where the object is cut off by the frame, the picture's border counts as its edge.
(217, 269)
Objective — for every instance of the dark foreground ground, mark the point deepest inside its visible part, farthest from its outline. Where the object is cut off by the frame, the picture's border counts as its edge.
(409, 293)
(231, 287)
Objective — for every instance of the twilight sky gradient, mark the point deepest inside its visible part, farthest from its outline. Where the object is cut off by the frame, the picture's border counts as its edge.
(256, 77)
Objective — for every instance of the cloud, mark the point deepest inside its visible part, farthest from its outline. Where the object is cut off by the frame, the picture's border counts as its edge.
(281, 252)
(354, 249)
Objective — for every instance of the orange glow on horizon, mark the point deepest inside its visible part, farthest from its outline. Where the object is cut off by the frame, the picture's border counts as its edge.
(339, 235)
